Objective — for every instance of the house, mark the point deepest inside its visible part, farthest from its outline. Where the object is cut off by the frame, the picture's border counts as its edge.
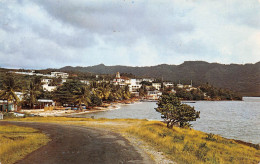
(3, 106)
(46, 81)
(168, 84)
(157, 85)
(26, 73)
(85, 82)
(11, 105)
(138, 81)
(187, 86)
(46, 103)
(60, 74)
(134, 85)
(48, 88)
(121, 80)
(191, 88)
(180, 86)
(148, 79)
(153, 95)
(20, 95)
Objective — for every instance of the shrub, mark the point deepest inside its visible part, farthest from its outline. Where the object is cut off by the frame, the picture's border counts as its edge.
(210, 137)
(201, 152)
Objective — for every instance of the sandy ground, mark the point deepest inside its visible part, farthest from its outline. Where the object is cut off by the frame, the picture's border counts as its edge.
(50, 113)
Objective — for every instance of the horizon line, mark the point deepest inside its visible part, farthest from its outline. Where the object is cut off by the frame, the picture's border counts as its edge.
(130, 65)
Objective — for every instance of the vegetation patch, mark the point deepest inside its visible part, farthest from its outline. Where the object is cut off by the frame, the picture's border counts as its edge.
(16, 142)
(191, 146)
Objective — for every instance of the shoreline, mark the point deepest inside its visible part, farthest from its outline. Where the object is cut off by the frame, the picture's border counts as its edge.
(70, 113)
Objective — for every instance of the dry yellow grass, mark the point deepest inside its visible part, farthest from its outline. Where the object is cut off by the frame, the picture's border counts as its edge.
(180, 145)
(16, 142)
(191, 146)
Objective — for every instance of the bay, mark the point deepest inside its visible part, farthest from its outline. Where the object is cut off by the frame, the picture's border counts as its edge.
(231, 119)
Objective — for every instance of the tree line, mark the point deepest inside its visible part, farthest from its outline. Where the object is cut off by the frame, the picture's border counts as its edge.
(72, 92)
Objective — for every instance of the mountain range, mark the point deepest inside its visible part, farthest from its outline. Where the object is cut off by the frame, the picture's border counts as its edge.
(241, 78)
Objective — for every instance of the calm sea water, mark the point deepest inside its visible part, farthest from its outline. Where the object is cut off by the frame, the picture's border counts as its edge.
(231, 119)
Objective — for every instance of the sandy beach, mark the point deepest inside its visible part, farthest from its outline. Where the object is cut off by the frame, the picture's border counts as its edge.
(59, 112)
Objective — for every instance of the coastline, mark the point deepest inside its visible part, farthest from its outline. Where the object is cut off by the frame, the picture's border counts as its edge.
(70, 113)
(105, 107)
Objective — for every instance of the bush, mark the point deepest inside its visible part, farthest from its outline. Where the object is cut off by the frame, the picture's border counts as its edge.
(178, 138)
(174, 112)
(202, 151)
(188, 147)
(210, 137)
(9, 115)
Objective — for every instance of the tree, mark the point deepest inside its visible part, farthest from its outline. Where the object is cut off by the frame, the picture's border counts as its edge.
(82, 96)
(33, 91)
(143, 91)
(65, 94)
(8, 92)
(95, 100)
(182, 93)
(174, 112)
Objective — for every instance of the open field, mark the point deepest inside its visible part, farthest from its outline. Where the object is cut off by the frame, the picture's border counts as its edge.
(179, 145)
(16, 142)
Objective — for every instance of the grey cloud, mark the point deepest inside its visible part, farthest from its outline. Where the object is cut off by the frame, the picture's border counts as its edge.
(76, 32)
(107, 16)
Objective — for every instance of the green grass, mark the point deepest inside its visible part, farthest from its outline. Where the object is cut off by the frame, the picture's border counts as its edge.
(16, 142)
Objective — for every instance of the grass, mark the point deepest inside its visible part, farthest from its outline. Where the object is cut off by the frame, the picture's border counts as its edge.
(179, 145)
(191, 146)
(16, 142)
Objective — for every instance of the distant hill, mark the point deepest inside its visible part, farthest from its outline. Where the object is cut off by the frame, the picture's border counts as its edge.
(244, 79)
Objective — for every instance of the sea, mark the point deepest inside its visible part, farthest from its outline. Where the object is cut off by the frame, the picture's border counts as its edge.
(238, 120)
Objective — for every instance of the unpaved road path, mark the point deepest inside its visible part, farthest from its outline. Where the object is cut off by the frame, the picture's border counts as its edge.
(76, 144)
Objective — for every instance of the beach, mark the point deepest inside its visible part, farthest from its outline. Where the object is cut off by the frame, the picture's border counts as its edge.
(62, 112)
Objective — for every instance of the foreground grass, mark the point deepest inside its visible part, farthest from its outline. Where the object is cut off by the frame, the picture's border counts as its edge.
(16, 142)
(191, 146)
(180, 145)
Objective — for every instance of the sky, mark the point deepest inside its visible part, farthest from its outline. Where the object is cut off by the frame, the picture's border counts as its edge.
(55, 33)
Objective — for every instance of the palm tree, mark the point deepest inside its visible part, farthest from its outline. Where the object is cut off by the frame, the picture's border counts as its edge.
(82, 96)
(103, 91)
(8, 92)
(33, 91)
(126, 93)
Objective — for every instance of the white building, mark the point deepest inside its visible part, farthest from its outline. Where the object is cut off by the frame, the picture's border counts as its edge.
(153, 95)
(60, 74)
(20, 95)
(45, 87)
(168, 84)
(63, 81)
(85, 82)
(26, 73)
(180, 86)
(138, 81)
(148, 79)
(46, 81)
(121, 81)
(157, 85)
(134, 85)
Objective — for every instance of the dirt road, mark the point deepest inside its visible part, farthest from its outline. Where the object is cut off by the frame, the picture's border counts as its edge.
(76, 144)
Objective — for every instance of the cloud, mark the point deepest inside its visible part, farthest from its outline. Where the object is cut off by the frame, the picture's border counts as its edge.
(52, 33)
